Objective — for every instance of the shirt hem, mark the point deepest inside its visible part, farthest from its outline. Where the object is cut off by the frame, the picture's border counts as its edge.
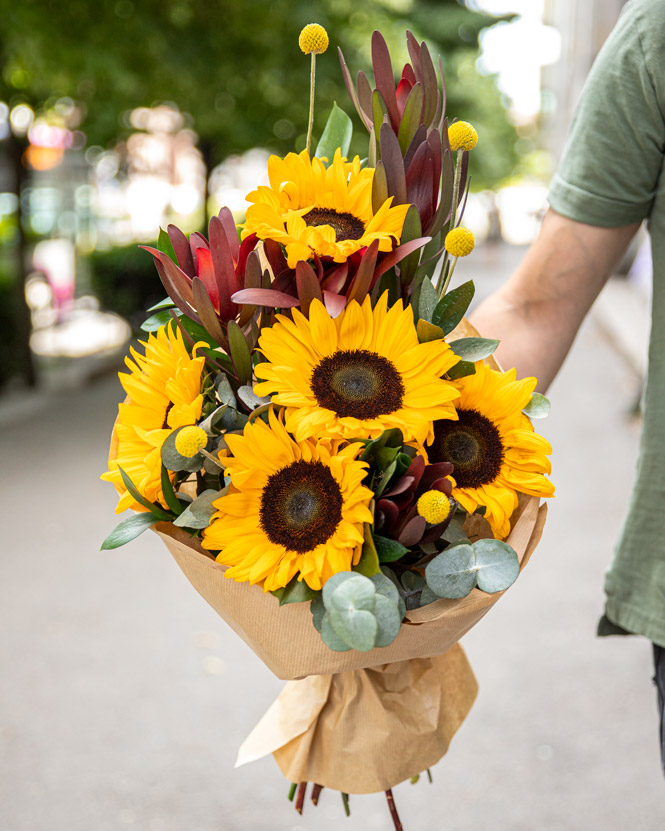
(634, 620)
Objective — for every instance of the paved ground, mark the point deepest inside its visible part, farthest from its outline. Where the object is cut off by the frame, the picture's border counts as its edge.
(123, 698)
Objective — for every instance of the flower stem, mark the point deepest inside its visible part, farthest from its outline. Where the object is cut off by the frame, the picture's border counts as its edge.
(300, 799)
(316, 793)
(453, 219)
(429, 776)
(312, 80)
(345, 802)
(393, 811)
(292, 791)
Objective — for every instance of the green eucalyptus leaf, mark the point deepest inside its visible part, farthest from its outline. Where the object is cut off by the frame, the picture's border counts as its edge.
(388, 550)
(330, 637)
(224, 391)
(337, 133)
(247, 395)
(385, 586)
(538, 407)
(210, 423)
(176, 461)
(452, 573)
(331, 584)
(455, 531)
(129, 529)
(474, 349)
(355, 593)
(452, 307)
(412, 581)
(318, 610)
(388, 619)
(497, 565)
(427, 596)
(199, 513)
(427, 302)
(356, 627)
(233, 420)
(135, 493)
(295, 591)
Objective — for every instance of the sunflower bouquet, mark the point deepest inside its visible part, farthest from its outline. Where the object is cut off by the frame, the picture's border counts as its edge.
(327, 447)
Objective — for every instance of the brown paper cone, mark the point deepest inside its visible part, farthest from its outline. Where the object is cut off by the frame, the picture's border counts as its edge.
(366, 731)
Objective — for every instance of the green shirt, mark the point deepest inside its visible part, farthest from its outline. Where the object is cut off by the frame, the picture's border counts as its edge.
(611, 174)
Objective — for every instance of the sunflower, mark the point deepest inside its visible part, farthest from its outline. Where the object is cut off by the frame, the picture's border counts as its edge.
(164, 392)
(293, 508)
(493, 446)
(358, 374)
(313, 209)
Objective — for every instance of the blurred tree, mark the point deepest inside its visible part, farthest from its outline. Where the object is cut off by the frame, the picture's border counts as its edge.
(234, 67)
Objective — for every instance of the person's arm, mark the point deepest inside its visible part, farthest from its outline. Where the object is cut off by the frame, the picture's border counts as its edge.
(537, 313)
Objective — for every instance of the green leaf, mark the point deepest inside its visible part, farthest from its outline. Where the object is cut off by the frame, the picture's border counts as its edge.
(330, 637)
(240, 354)
(388, 620)
(335, 581)
(176, 461)
(385, 478)
(452, 573)
(210, 423)
(369, 559)
(296, 591)
(497, 565)
(156, 321)
(385, 586)
(247, 395)
(336, 133)
(461, 370)
(427, 302)
(170, 498)
(164, 244)
(427, 596)
(199, 513)
(412, 581)
(388, 550)
(473, 349)
(224, 390)
(129, 529)
(133, 490)
(350, 608)
(538, 407)
(166, 303)
(452, 306)
(455, 531)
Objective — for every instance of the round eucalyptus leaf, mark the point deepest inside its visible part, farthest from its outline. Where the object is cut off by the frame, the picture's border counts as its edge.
(356, 627)
(385, 586)
(497, 565)
(331, 639)
(355, 594)
(412, 581)
(335, 581)
(427, 596)
(199, 513)
(318, 610)
(388, 620)
(452, 573)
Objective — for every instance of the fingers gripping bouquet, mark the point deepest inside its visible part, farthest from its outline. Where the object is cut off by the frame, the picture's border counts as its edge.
(327, 448)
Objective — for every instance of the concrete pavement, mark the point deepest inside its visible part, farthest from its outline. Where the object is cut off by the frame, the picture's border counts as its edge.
(123, 697)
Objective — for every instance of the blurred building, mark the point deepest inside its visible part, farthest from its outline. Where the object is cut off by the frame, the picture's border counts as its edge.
(584, 27)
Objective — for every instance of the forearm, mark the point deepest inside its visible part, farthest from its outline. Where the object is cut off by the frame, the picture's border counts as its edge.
(537, 313)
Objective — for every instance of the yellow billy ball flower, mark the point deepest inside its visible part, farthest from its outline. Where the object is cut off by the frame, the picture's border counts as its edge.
(313, 38)
(462, 136)
(190, 440)
(459, 242)
(434, 506)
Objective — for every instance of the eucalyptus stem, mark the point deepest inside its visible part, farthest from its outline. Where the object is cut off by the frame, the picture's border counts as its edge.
(312, 81)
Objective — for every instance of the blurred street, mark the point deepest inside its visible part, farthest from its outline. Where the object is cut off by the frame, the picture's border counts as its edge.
(124, 698)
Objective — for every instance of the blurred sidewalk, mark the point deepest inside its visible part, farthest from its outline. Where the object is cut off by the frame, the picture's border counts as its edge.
(124, 697)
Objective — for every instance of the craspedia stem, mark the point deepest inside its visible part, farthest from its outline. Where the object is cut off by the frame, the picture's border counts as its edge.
(393, 811)
(451, 221)
(429, 776)
(292, 791)
(312, 84)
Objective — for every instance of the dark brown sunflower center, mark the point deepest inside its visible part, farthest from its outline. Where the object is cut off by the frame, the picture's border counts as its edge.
(346, 226)
(301, 506)
(472, 444)
(357, 383)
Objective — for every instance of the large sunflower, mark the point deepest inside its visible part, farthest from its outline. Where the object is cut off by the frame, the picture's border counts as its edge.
(164, 392)
(313, 209)
(293, 508)
(493, 446)
(356, 375)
